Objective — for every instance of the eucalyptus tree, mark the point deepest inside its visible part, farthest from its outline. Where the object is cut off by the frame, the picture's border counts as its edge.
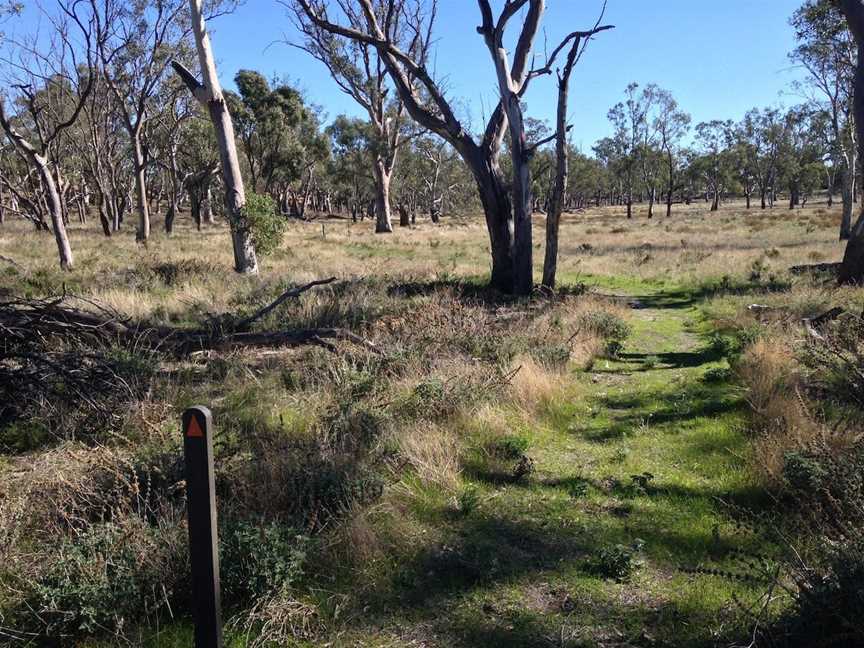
(359, 70)
(349, 139)
(764, 132)
(630, 121)
(671, 124)
(715, 162)
(49, 80)
(506, 205)
(264, 120)
(142, 39)
(558, 198)
(612, 155)
(852, 267)
(208, 92)
(800, 165)
(438, 177)
(826, 49)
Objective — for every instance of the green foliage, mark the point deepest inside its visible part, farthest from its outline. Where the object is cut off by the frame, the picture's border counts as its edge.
(617, 562)
(641, 483)
(511, 446)
(108, 577)
(612, 328)
(259, 559)
(724, 346)
(551, 355)
(716, 375)
(467, 500)
(264, 221)
(803, 472)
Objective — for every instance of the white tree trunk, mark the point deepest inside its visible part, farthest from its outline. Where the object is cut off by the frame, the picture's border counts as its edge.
(209, 94)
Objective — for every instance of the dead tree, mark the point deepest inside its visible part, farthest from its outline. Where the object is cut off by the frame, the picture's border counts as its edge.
(209, 94)
(562, 167)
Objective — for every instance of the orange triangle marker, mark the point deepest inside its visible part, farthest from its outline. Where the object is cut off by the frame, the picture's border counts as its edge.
(194, 430)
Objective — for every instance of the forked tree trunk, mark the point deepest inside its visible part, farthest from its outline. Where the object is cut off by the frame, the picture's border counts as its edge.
(209, 94)
(562, 170)
(52, 196)
(495, 200)
(383, 221)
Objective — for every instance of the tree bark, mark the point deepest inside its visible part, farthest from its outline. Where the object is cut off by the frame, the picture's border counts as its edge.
(55, 207)
(562, 170)
(383, 221)
(848, 191)
(852, 267)
(209, 94)
(143, 208)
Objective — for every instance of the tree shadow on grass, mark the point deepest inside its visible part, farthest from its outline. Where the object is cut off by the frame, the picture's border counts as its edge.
(488, 550)
(687, 297)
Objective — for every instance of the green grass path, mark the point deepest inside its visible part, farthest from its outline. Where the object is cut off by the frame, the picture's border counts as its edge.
(644, 459)
(640, 464)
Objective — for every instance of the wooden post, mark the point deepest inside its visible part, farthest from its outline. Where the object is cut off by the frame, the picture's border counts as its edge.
(203, 539)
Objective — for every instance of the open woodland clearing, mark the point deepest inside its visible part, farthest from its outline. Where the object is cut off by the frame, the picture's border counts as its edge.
(605, 494)
(471, 384)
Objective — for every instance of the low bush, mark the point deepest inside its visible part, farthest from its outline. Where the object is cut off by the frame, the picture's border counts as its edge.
(265, 223)
(612, 328)
(257, 559)
(616, 562)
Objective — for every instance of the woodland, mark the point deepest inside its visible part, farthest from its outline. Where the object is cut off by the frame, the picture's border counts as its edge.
(472, 384)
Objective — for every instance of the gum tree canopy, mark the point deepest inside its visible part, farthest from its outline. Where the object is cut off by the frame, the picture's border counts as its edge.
(506, 202)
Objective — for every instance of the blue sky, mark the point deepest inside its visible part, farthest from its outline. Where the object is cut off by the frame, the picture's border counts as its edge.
(718, 58)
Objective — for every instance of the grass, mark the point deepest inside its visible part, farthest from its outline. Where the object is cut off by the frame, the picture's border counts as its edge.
(606, 498)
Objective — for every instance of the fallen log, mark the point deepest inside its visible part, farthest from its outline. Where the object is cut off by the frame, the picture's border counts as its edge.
(815, 268)
(22, 319)
(812, 325)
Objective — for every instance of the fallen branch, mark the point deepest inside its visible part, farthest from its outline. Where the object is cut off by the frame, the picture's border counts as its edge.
(23, 320)
(13, 263)
(815, 268)
(288, 294)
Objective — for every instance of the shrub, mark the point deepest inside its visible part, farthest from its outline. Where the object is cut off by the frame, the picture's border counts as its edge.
(609, 326)
(837, 362)
(265, 223)
(617, 562)
(714, 375)
(511, 446)
(259, 559)
(804, 473)
(107, 578)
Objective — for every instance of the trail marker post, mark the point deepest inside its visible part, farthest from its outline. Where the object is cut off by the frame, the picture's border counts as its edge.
(203, 539)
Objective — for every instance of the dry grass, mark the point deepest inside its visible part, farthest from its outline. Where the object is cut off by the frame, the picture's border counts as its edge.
(433, 453)
(436, 399)
(693, 245)
(770, 372)
(783, 417)
(534, 385)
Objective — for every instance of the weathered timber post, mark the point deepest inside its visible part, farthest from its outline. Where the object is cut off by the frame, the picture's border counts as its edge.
(203, 538)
